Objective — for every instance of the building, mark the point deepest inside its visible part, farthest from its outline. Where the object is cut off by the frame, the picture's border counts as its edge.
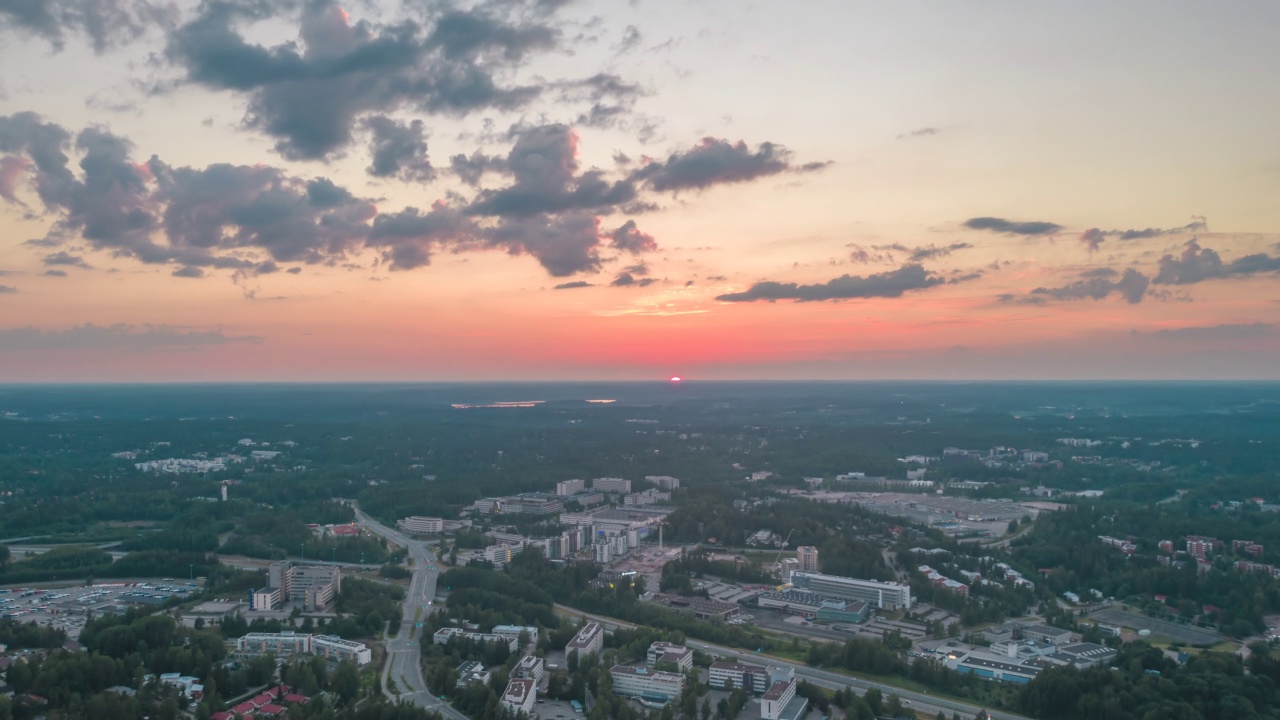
(533, 503)
(611, 485)
(807, 555)
(421, 525)
(780, 702)
(1044, 633)
(701, 608)
(752, 678)
(570, 487)
(1082, 655)
(1201, 547)
(665, 482)
(515, 631)
(288, 643)
(992, 667)
(880, 595)
(588, 641)
(665, 652)
(314, 586)
(641, 682)
(530, 667)
(472, 671)
(519, 696)
(444, 635)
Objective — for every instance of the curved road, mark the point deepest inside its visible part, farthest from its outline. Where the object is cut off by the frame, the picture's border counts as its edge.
(830, 680)
(403, 662)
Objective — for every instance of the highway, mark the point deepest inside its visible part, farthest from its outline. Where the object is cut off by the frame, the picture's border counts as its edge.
(403, 654)
(920, 701)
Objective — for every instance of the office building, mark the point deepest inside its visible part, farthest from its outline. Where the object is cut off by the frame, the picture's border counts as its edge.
(611, 485)
(570, 487)
(752, 678)
(313, 586)
(418, 525)
(646, 684)
(288, 643)
(665, 652)
(880, 595)
(588, 641)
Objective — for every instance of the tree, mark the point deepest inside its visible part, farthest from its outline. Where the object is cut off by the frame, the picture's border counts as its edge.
(346, 681)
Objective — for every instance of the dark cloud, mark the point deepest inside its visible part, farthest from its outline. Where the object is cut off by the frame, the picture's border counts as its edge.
(6, 289)
(631, 39)
(717, 162)
(249, 219)
(1093, 238)
(889, 284)
(398, 150)
(1226, 331)
(310, 95)
(55, 273)
(546, 179)
(931, 252)
(1102, 272)
(628, 238)
(1097, 284)
(107, 23)
(626, 279)
(574, 285)
(1197, 264)
(1198, 224)
(65, 258)
(1011, 227)
(563, 244)
(922, 132)
(471, 170)
(138, 337)
(407, 238)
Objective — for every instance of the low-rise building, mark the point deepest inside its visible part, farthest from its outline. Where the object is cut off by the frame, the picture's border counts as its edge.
(472, 671)
(752, 678)
(530, 667)
(588, 641)
(519, 696)
(665, 652)
(646, 684)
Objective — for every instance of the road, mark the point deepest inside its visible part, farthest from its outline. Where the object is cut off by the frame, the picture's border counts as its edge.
(919, 701)
(403, 653)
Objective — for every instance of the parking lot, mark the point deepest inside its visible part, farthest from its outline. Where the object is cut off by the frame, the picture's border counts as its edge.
(67, 607)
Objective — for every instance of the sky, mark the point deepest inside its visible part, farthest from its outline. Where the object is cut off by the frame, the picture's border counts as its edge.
(441, 190)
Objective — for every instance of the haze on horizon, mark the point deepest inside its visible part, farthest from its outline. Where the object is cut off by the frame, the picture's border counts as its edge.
(546, 189)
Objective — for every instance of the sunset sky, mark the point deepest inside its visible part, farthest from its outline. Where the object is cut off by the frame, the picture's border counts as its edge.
(248, 190)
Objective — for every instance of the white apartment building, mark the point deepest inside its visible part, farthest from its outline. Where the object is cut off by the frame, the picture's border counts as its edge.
(588, 641)
(520, 696)
(644, 683)
(421, 525)
(288, 643)
(613, 485)
(752, 678)
(570, 487)
(530, 668)
(679, 655)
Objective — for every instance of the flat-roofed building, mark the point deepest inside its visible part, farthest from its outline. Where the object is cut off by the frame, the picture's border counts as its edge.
(519, 696)
(588, 641)
(472, 671)
(421, 525)
(752, 678)
(515, 631)
(880, 595)
(808, 557)
(335, 648)
(992, 667)
(570, 487)
(529, 667)
(613, 485)
(665, 652)
(288, 643)
(444, 635)
(779, 702)
(646, 684)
